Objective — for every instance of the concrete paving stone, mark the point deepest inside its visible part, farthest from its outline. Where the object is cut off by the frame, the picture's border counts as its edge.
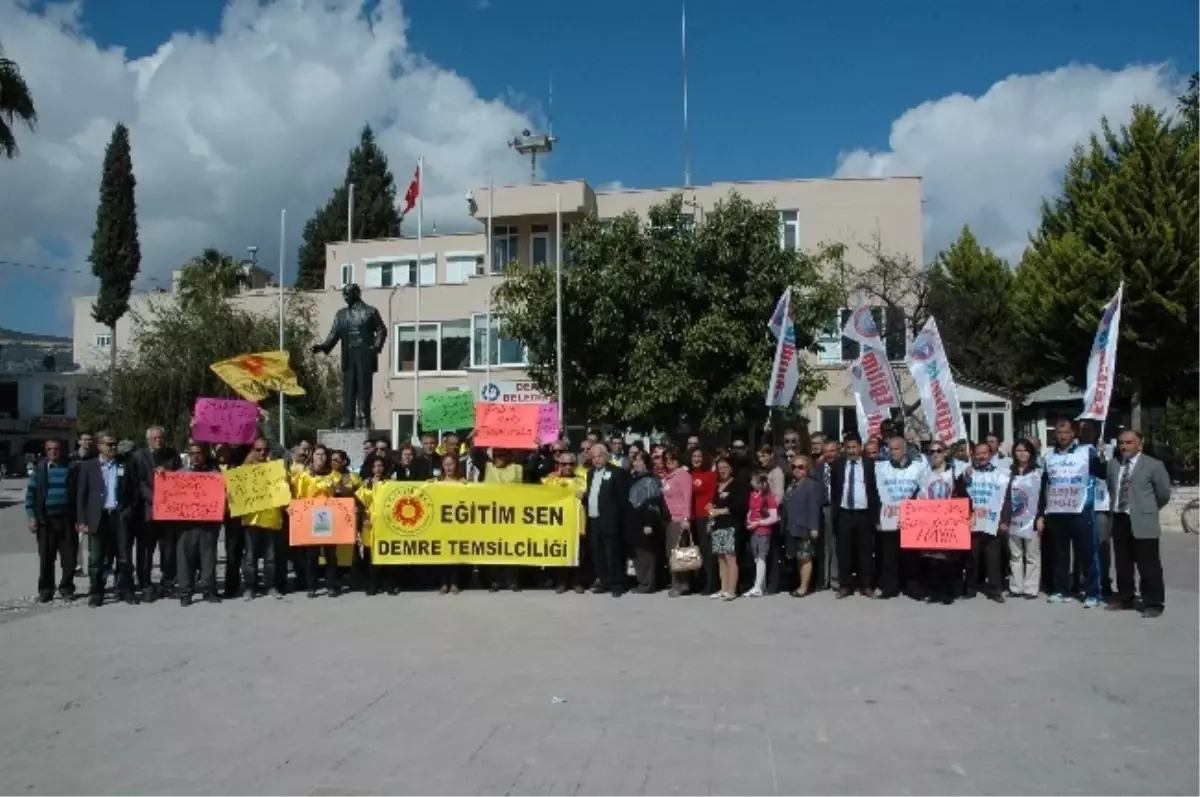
(424, 694)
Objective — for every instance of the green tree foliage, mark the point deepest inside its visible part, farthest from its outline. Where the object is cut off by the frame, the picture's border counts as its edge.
(16, 105)
(211, 273)
(116, 254)
(1188, 109)
(1179, 428)
(665, 323)
(1128, 211)
(375, 212)
(158, 379)
(970, 295)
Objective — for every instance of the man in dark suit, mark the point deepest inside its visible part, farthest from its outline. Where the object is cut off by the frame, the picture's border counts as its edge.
(606, 505)
(104, 501)
(854, 507)
(150, 533)
(827, 576)
(1138, 487)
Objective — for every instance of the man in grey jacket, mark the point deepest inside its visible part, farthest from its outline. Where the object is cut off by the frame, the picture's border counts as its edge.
(1138, 488)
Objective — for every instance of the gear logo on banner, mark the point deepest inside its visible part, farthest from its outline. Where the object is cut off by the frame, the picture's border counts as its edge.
(489, 391)
(864, 322)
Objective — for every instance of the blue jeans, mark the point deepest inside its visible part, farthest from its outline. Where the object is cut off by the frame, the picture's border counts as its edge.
(1075, 532)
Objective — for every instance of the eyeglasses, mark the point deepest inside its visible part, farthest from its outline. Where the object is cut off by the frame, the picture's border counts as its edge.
(800, 467)
(791, 439)
(261, 449)
(937, 451)
(107, 443)
(566, 464)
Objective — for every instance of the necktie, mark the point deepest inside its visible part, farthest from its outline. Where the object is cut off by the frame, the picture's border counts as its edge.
(828, 484)
(1123, 488)
(850, 485)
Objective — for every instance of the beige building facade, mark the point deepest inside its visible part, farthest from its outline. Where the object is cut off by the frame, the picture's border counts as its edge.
(446, 281)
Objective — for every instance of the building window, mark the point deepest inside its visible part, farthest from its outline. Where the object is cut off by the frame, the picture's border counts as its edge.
(989, 423)
(399, 272)
(835, 348)
(54, 399)
(504, 247)
(347, 274)
(461, 266)
(402, 428)
(539, 244)
(102, 340)
(439, 346)
(491, 347)
(789, 229)
(836, 421)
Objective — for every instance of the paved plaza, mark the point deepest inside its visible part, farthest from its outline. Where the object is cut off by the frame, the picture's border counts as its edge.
(536, 693)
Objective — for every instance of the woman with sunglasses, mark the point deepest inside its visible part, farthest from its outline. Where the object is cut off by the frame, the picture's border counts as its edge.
(802, 514)
(943, 569)
(260, 530)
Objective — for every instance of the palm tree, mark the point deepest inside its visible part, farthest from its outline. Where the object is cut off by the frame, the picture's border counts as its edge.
(212, 273)
(16, 105)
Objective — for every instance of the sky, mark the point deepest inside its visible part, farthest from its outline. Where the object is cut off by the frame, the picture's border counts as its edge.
(238, 110)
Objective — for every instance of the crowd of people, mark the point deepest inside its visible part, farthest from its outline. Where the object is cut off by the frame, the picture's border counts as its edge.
(725, 523)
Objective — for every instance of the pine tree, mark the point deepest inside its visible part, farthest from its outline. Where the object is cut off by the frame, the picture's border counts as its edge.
(375, 212)
(116, 255)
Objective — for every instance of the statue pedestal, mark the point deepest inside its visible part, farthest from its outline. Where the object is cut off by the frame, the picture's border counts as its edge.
(348, 440)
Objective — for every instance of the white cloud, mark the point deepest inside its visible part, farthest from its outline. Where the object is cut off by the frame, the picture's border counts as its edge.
(228, 129)
(988, 161)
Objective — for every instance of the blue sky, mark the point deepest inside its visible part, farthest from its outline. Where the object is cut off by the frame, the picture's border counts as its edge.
(777, 89)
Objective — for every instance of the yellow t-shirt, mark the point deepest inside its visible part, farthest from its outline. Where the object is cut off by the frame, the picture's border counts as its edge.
(509, 474)
(366, 496)
(575, 485)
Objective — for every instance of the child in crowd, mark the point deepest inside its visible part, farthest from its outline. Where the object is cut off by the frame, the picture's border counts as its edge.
(760, 522)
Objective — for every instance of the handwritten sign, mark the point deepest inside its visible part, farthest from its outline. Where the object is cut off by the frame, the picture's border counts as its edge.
(936, 525)
(448, 409)
(321, 521)
(216, 420)
(184, 495)
(506, 425)
(547, 429)
(253, 488)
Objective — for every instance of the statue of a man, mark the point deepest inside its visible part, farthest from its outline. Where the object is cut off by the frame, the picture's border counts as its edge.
(360, 330)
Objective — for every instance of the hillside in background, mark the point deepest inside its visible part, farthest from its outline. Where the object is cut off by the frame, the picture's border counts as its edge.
(24, 351)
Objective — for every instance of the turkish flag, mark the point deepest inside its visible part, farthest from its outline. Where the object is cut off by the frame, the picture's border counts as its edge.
(414, 190)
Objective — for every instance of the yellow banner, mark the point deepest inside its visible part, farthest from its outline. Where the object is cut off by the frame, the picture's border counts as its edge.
(487, 524)
(253, 488)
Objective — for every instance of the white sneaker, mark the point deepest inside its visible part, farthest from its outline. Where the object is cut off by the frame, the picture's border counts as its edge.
(753, 593)
(716, 596)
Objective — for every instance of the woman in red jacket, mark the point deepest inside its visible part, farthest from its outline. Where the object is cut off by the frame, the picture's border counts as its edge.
(704, 489)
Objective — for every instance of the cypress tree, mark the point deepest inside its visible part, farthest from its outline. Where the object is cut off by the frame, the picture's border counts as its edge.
(375, 213)
(116, 254)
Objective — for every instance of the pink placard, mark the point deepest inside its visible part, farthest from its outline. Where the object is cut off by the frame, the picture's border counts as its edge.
(547, 431)
(217, 420)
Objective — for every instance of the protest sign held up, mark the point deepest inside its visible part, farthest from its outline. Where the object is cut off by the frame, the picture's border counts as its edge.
(506, 425)
(253, 488)
(184, 495)
(321, 521)
(218, 420)
(936, 525)
(448, 409)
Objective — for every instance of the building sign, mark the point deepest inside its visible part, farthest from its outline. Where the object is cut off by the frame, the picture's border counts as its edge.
(512, 391)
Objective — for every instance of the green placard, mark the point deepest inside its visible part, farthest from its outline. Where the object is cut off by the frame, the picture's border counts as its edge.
(448, 409)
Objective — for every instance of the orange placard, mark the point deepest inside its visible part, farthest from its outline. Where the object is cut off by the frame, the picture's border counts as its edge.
(506, 425)
(197, 496)
(321, 521)
(936, 525)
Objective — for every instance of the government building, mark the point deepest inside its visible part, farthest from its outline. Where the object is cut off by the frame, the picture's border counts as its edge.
(459, 348)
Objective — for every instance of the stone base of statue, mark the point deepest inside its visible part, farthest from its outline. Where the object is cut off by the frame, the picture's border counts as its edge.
(348, 440)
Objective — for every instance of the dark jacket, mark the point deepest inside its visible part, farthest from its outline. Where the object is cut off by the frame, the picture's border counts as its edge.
(89, 493)
(613, 501)
(801, 508)
(144, 464)
(651, 513)
(838, 483)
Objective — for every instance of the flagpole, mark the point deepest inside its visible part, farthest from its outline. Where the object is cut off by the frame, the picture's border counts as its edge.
(558, 302)
(282, 237)
(350, 216)
(416, 432)
(491, 249)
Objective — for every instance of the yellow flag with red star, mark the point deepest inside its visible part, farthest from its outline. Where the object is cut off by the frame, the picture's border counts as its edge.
(252, 375)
